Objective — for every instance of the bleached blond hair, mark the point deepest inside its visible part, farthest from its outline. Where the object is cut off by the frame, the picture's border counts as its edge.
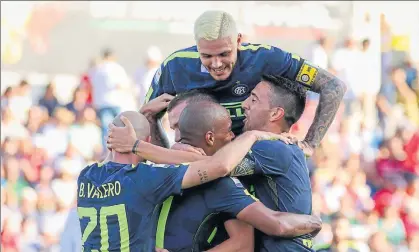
(215, 24)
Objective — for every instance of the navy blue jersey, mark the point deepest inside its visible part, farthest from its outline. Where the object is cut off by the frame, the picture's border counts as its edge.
(183, 71)
(281, 182)
(117, 204)
(197, 216)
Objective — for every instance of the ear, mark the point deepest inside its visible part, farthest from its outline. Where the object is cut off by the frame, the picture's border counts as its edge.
(276, 114)
(209, 138)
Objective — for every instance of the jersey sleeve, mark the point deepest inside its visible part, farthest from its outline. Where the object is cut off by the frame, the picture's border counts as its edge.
(157, 182)
(291, 66)
(161, 83)
(270, 157)
(228, 196)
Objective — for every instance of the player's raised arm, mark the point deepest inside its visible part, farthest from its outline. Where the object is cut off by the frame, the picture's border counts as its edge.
(331, 91)
(316, 79)
(279, 223)
(158, 90)
(123, 139)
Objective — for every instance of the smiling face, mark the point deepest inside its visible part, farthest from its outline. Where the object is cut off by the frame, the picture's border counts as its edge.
(219, 56)
(257, 108)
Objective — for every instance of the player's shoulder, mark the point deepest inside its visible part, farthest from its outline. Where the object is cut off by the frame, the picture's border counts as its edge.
(88, 170)
(262, 54)
(185, 55)
(251, 49)
(271, 145)
(150, 167)
(276, 150)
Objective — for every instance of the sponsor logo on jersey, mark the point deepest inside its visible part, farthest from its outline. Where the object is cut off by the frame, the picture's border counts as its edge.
(240, 89)
(237, 182)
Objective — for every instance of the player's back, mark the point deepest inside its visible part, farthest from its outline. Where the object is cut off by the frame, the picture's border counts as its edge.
(117, 207)
(196, 219)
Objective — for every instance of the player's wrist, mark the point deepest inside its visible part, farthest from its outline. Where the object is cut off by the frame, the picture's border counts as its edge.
(135, 146)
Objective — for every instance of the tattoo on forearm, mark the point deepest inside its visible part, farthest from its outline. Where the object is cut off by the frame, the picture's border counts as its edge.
(203, 176)
(245, 168)
(331, 91)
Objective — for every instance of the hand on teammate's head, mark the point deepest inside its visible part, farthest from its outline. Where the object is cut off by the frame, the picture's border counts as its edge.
(155, 106)
(121, 139)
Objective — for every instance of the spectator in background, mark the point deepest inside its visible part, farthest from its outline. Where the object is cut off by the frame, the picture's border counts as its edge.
(49, 100)
(21, 101)
(29, 240)
(345, 63)
(10, 125)
(37, 117)
(341, 237)
(79, 102)
(15, 182)
(7, 94)
(319, 53)
(411, 74)
(371, 83)
(55, 136)
(86, 129)
(108, 78)
(392, 114)
(406, 95)
(86, 80)
(378, 243)
(392, 225)
(144, 78)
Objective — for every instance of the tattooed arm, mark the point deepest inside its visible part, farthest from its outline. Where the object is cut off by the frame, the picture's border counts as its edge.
(331, 91)
(245, 168)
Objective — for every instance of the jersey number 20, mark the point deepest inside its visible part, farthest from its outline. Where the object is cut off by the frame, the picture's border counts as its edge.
(91, 213)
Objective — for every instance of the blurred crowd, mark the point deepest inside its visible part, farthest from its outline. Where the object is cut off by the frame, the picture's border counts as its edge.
(364, 175)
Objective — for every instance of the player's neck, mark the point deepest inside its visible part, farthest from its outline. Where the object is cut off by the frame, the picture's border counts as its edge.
(124, 158)
(274, 128)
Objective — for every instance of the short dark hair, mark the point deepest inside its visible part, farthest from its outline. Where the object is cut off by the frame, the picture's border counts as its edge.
(289, 95)
(200, 117)
(193, 95)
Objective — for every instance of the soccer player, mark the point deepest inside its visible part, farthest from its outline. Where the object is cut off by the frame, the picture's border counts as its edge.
(230, 69)
(277, 171)
(117, 201)
(191, 221)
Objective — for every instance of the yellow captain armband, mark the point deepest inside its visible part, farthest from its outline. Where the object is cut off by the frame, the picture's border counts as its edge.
(307, 74)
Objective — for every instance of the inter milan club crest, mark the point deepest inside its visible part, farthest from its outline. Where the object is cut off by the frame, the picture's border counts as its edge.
(240, 89)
